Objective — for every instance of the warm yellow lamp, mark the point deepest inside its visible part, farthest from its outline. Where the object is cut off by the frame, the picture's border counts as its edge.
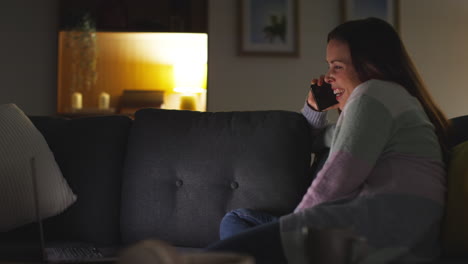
(173, 65)
(189, 81)
(187, 55)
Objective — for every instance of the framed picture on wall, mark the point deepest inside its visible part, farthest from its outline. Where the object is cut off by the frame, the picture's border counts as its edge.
(268, 27)
(387, 10)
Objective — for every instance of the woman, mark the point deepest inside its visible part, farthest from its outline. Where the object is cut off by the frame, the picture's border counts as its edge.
(385, 175)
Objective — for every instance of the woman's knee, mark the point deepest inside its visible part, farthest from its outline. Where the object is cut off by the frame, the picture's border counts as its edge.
(234, 222)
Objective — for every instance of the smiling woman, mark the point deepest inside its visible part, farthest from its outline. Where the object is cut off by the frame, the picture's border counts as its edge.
(389, 139)
(341, 73)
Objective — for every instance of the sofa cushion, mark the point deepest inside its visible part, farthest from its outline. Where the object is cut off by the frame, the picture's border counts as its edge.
(455, 228)
(20, 141)
(90, 152)
(459, 131)
(184, 170)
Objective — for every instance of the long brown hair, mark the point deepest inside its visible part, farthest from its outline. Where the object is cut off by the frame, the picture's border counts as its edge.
(377, 52)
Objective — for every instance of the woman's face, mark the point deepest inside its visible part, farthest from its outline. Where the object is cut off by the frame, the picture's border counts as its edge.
(341, 73)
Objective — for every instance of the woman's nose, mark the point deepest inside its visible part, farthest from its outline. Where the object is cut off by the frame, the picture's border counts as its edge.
(328, 78)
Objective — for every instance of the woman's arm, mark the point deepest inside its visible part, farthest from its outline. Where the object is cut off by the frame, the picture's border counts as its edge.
(322, 132)
(359, 140)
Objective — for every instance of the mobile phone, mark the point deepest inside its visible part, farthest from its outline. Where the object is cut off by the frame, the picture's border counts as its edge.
(323, 95)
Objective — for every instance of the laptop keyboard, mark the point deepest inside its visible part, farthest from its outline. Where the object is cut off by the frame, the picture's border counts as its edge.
(74, 253)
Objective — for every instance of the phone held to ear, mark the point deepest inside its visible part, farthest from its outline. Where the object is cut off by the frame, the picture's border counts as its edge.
(323, 95)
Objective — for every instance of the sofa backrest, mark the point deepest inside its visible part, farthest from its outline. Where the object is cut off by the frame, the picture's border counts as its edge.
(90, 153)
(184, 170)
(454, 234)
(459, 131)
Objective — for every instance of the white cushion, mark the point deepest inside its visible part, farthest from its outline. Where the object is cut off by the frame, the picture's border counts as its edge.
(19, 142)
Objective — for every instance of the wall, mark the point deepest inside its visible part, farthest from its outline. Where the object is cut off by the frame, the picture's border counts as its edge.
(28, 52)
(433, 31)
(262, 83)
(435, 34)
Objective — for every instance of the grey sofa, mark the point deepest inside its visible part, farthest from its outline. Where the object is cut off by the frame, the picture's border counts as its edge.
(172, 175)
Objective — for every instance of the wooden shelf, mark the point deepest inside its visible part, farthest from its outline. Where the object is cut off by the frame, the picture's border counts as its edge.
(137, 15)
(72, 113)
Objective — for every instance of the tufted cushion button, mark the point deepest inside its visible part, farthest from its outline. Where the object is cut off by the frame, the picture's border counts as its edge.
(234, 185)
(179, 183)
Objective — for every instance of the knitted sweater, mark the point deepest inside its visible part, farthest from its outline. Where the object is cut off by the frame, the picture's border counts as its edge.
(384, 177)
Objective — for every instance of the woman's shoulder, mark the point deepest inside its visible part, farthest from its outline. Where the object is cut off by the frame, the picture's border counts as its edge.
(389, 95)
(380, 89)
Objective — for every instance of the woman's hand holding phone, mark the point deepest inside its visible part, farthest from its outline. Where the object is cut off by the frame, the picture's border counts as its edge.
(310, 98)
(321, 96)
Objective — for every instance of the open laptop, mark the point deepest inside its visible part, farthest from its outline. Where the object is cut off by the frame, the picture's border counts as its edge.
(58, 252)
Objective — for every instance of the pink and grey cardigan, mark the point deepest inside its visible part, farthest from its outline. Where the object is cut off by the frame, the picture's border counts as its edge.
(384, 177)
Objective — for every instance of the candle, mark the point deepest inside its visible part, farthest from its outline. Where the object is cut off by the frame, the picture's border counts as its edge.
(188, 102)
(104, 101)
(77, 100)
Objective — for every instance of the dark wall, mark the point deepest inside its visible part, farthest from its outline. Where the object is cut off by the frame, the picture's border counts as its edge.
(28, 52)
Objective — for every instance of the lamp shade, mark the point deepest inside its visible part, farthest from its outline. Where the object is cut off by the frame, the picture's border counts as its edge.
(189, 77)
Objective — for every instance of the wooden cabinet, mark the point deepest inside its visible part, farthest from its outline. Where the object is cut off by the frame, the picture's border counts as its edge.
(136, 15)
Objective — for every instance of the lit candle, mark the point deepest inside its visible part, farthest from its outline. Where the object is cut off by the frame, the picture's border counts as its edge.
(77, 100)
(104, 100)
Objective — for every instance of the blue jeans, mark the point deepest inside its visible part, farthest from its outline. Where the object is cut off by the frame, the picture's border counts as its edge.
(239, 220)
(263, 242)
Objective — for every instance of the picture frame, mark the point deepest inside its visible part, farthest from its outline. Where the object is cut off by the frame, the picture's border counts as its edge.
(268, 28)
(387, 10)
